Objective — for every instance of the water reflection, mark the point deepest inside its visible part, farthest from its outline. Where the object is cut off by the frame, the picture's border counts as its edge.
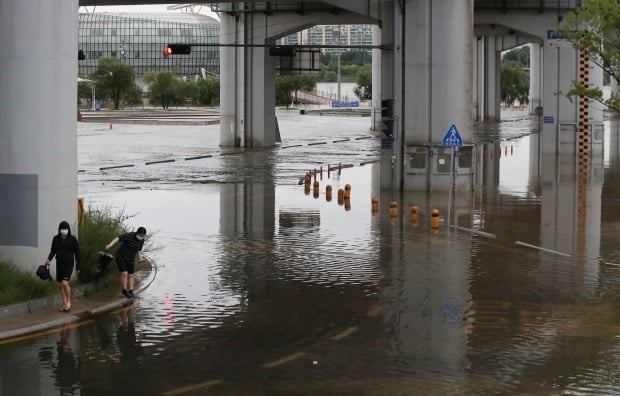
(263, 289)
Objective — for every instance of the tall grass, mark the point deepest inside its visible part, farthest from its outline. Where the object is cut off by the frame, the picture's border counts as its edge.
(17, 285)
(99, 227)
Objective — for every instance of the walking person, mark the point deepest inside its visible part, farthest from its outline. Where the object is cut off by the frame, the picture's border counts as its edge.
(65, 248)
(132, 243)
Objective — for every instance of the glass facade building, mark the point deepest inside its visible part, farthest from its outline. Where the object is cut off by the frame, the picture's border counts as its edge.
(138, 39)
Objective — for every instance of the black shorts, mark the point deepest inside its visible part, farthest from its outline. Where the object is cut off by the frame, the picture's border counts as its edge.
(125, 265)
(63, 272)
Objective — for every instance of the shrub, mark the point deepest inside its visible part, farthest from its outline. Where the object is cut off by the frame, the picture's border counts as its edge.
(99, 227)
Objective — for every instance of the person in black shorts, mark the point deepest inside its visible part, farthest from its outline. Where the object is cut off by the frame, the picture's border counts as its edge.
(66, 249)
(132, 243)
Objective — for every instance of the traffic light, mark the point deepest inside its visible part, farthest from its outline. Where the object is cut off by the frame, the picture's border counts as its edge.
(177, 49)
(387, 117)
(81, 55)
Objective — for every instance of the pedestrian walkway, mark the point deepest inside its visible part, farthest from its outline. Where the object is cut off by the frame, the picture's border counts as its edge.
(20, 324)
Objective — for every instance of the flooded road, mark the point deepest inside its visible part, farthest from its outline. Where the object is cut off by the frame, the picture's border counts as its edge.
(263, 289)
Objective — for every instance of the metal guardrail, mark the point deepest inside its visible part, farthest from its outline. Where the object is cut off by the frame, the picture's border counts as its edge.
(527, 4)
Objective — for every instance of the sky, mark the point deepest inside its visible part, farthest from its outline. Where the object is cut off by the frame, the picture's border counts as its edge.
(144, 8)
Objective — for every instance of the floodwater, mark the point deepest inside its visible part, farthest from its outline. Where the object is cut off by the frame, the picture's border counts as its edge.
(264, 289)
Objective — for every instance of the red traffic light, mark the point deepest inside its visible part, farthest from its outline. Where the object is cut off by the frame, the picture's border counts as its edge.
(177, 49)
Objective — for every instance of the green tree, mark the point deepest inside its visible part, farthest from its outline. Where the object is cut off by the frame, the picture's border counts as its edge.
(164, 91)
(515, 84)
(208, 91)
(114, 80)
(186, 91)
(286, 85)
(520, 55)
(363, 89)
(595, 29)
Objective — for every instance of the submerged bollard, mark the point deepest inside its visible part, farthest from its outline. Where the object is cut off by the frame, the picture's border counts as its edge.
(435, 219)
(328, 193)
(374, 205)
(414, 212)
(347, 191)
(393, 208)
(340, 196)
(347, 204)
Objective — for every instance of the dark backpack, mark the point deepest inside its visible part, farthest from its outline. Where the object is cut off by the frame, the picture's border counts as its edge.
(43, 272)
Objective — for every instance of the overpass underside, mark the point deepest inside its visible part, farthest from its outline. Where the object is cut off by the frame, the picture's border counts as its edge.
(438, 60)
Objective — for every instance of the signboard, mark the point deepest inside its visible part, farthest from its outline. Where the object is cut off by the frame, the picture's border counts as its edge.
(336, 103)
(387, 143)
(557, 39)
(452, 137)
(548, 119)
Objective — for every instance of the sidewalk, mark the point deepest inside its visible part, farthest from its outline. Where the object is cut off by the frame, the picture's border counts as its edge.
(44, 315)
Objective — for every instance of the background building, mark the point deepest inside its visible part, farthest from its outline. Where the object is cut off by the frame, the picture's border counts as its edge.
(138, 39)
(331, 35)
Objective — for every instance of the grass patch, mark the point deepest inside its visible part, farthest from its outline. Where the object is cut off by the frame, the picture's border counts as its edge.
(18, 286)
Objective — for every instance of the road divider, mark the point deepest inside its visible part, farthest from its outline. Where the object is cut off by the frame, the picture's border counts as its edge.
(198, 157)
(159, 162)
(116, 167)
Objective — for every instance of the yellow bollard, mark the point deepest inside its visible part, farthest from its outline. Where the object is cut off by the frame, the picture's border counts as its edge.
(347, 191)
(80, 211)
(393, 208)
(414, 216)
(347, 204)
(316, 187)
(328, 193)
(374, 205)
(340, 196)
(435, 218)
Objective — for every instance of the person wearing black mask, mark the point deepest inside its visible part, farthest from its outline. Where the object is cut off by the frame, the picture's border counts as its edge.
(66, 249)
(132, 243)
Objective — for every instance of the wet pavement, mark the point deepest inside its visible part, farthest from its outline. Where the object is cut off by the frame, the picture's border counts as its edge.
(265, 289)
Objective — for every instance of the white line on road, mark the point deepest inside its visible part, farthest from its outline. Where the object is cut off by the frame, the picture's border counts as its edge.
(191, 388)
(541, 248)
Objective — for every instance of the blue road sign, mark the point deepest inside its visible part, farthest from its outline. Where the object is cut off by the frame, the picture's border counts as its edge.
(336, 103)
(548, 119)
(453, 137)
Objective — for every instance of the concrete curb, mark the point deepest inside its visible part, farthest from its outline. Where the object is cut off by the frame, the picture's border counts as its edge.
(17, 309)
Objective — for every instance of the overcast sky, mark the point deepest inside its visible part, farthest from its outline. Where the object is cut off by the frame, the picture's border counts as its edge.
(143, 8)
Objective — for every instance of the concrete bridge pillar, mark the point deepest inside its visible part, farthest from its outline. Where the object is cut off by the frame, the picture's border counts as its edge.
(492, 79)
(376, 79)
(38, 145)
(247, 83)
(535, 77)
(560, 128)
(431, 73)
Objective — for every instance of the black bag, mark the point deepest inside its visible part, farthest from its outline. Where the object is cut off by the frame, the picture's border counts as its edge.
(43, 272)
(104, 261)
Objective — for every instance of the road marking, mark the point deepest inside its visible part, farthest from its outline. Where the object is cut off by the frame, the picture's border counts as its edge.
(284, 360)
(345, 333)
(374, 311)
(46, 332)
(159, 162)
(198, 157)
(481, 233)
(541, 248)
(116, 167)
(191, 388)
